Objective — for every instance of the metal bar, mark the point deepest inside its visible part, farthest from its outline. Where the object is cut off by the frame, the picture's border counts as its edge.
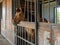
(25, 31)
(24, 14)
(24, 8)
(52, 32)
(22, 34)
(31, 17)
(31, 9)
(36, 23)
(28, 7)
(25, 40)
(56, 12)
(15, 34)
(42, 11)
(52, 35)
(18, 3)
(53, 42)
(27, 10)
(49, 9)
(19, 34)
(38, 18)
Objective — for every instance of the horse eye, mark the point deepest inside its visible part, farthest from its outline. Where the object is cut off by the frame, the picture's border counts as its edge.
(18, 10)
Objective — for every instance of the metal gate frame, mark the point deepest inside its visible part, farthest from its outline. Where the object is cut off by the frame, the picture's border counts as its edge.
(18, 28)
(36, 25)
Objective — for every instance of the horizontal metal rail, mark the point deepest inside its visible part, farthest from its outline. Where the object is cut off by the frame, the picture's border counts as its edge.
(24, 40)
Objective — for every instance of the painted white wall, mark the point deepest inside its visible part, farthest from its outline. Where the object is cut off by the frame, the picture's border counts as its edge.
(7, 28)
(46, 11)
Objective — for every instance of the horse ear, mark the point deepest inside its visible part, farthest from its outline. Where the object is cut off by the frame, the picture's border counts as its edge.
(20, 8)
(16, 8)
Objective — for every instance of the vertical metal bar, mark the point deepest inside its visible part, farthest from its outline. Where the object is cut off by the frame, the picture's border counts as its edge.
(31, 11)
(42, 10)
(28, 6)
(36, 23)
(56, 13)
(22, 34)
(18, 3)
(25, 15)
(19, 35)
(24, 8)
(38, 18)
(49, 10)
(27, 11)
(52, 32)
(27, 18)
(15, 34)
(52, 35)
(31, 16)
(15, 7)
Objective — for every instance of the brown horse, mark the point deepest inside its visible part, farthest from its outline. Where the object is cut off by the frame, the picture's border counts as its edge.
(19, 16)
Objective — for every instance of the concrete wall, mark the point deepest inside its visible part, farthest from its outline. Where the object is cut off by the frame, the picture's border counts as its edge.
(7, 28)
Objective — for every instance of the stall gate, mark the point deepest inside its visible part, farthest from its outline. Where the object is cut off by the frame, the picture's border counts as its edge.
(27, 35)
(26, 26)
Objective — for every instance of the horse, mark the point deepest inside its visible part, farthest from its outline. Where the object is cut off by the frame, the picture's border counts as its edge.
(19, 16)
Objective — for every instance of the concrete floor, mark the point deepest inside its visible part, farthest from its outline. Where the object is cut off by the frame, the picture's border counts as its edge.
(3, 41)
